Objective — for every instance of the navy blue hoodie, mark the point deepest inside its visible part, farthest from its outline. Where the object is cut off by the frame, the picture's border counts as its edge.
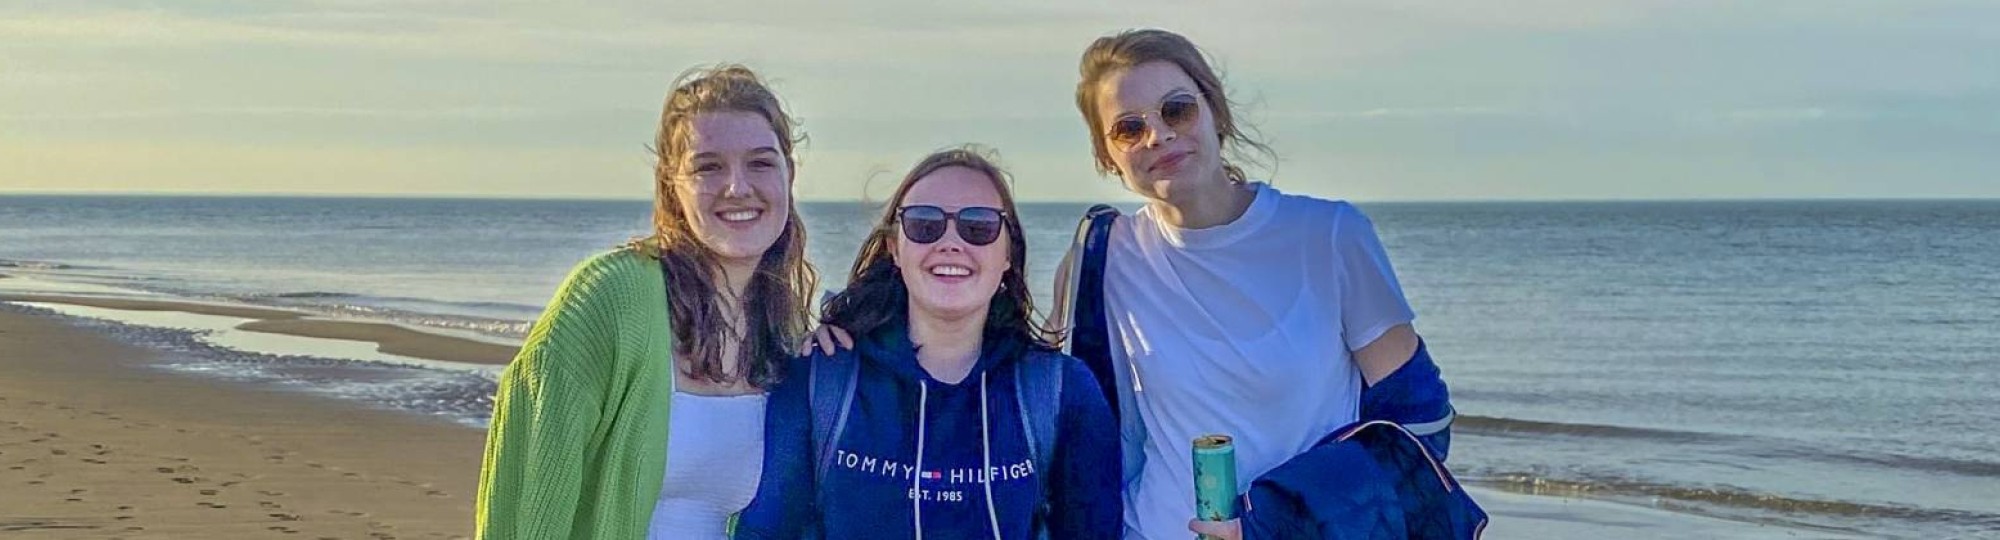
(908, 433)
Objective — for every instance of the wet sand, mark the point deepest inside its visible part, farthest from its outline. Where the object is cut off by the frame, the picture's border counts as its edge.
(389, 338)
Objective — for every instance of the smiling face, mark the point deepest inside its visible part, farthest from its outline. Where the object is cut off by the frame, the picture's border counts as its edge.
(1165, 154)
(951, 278)
(734, 185)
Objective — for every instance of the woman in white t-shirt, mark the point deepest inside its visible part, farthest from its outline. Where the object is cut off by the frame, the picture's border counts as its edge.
(1238, 309)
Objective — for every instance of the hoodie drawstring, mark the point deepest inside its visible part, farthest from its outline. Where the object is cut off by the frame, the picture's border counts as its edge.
(986, 459)
(916, 485)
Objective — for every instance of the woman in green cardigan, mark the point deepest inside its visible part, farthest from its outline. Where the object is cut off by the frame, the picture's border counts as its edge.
(694, 319)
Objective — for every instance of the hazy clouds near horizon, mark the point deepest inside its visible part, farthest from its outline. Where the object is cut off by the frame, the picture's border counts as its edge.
(1542, 99)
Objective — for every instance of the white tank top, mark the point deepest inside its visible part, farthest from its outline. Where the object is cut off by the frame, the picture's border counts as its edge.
(715, 457)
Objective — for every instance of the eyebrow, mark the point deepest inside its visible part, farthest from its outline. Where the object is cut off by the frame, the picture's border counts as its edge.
(757, 150)
(1163, 97)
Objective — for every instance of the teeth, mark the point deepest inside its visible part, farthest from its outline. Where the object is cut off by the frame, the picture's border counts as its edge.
(950, 270)
(741, 215)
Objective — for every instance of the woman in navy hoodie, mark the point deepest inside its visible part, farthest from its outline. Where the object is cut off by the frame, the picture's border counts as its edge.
(953, 416)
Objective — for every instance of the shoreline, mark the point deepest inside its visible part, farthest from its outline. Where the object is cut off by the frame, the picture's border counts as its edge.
(388, 338)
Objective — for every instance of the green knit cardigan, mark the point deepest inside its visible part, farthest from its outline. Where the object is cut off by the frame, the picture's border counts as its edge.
(578, 443)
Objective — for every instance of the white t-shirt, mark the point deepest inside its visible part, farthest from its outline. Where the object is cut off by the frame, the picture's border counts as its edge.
(1242, 329)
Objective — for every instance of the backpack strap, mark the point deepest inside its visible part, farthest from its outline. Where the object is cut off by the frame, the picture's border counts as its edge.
(831, 394)
(1088, 338)
(1038, 385)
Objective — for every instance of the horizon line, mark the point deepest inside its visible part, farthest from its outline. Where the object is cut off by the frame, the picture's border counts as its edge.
(1130, 200)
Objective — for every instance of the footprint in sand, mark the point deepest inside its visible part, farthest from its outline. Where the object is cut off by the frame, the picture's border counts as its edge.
(283, 529)
(281, 516)
(207, 504)
(268, 505)
(209, 492)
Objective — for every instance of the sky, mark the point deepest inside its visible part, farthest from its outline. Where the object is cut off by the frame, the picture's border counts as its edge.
(1388, 101)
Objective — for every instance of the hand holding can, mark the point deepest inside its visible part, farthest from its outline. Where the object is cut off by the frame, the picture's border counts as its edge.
(1214, 479)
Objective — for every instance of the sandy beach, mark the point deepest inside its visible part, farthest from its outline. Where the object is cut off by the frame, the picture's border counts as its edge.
(93, 445)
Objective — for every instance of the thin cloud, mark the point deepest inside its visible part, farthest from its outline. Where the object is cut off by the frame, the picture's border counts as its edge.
(461, 113)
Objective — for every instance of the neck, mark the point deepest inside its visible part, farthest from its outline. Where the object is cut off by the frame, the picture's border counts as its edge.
(947, 348)
(736, 280)
(736, 283)
(1204, 205)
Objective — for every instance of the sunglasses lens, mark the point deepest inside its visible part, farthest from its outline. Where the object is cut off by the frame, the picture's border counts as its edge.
(923, 224)
(1128, 130)
(1179, 110)
(979, 226)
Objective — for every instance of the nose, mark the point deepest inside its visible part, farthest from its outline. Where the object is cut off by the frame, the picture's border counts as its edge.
(951, 242)
(1158, 131)
(737, 183)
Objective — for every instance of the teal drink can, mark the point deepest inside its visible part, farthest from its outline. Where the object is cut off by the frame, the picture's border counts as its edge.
(1214, 479)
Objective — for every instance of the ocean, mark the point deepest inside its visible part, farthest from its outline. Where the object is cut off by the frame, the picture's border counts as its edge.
(1825, 364)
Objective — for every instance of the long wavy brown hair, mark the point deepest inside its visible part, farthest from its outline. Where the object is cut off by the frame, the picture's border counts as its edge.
(875, 294)
(1125, 50)
(775, 304)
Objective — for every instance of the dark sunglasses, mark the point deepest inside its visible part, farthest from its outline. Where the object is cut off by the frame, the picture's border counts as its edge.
(1177, 111)
(977, 225)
